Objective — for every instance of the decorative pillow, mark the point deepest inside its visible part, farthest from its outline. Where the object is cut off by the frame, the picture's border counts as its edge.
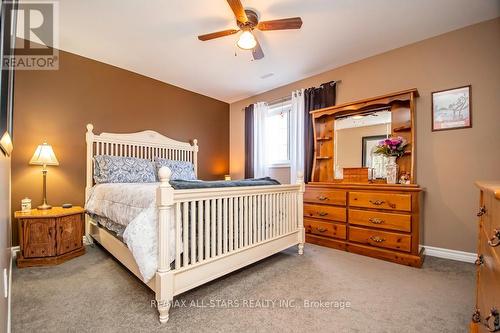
(181, 170)
(117, 169)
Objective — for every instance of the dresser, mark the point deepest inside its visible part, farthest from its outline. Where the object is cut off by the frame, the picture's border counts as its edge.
(486, 317)
(51, 236)
(368, 219)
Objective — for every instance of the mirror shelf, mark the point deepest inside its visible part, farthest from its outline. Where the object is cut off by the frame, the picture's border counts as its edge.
(346, 135)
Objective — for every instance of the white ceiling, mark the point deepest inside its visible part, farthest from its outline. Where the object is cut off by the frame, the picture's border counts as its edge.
(157, 38)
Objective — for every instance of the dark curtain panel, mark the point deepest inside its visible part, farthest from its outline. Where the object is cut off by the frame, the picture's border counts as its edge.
(315, 98)
(249, 149)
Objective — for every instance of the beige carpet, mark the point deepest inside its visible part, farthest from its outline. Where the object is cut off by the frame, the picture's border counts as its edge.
(94, 293)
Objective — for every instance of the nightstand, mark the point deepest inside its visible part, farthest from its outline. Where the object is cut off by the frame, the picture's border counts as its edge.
(50, 237)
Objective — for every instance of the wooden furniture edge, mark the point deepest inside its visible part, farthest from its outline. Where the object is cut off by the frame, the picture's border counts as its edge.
(412, 91)
(48, 261)
(490, 186)
(368, 186)
(55, 212)
(387, 255)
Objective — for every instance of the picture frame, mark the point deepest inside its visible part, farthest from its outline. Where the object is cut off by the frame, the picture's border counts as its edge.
(451, 108)
(367, 145)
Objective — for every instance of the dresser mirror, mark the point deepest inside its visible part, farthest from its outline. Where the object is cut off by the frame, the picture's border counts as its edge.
(356, 137)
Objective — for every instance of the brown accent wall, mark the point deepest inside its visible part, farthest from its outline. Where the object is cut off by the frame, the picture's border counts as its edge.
(448, 162)
(56, 105)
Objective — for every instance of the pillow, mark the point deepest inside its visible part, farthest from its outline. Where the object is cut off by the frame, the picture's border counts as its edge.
(118, 169)
(181, 170)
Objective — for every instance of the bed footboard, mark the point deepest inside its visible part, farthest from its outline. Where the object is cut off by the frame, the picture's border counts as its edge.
(221, 230)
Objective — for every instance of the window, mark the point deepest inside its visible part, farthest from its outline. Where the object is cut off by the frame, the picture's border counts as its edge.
(278, 133)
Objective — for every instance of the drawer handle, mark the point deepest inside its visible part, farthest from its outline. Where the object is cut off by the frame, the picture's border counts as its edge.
(495, 324)
(322, 213)
(322, 198)
(377, 202)
(495, 240)
(375, 220)
(482, 211)
(377, 239)
(480, 260)
(321, 229)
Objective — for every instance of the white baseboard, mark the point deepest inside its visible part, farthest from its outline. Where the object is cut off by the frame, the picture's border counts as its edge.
(449, 254)
(14, 251)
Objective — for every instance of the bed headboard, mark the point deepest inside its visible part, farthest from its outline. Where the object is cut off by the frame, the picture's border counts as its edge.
(145, 144)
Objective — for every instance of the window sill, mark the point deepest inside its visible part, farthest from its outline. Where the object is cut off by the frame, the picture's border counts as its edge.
(278, 165)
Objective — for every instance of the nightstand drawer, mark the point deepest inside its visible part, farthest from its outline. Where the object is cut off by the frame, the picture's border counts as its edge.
(389, 240)
(324, 196)
(389, 201)
(327, 229)
(393, 221)
(325, 212)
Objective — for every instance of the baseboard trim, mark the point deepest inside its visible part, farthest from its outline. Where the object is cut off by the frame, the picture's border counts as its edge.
(14, 251)
(449, 254)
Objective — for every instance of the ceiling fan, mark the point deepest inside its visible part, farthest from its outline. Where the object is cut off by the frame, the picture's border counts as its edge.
(248, 20)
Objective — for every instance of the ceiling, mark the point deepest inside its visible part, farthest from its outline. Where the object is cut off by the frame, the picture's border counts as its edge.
(157, 38)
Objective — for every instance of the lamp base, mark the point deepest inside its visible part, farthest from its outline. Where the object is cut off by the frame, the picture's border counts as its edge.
(44, 207)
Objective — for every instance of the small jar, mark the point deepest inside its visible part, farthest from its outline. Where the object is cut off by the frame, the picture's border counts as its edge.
(26, 204)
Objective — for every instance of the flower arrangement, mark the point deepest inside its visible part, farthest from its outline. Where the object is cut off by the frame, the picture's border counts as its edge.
(394, 146)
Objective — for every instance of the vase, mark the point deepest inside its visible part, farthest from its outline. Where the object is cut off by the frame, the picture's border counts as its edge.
(392, 170)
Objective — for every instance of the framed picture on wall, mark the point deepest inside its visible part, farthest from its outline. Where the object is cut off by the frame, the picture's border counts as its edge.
(451, 109)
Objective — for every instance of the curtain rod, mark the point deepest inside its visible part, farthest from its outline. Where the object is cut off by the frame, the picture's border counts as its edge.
(280, 99)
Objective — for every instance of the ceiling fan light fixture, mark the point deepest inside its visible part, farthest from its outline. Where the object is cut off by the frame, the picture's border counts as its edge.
(246, 41)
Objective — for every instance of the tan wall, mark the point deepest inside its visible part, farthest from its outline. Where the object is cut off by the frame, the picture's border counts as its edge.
(56, 105)
(349, 144)
(448, 162)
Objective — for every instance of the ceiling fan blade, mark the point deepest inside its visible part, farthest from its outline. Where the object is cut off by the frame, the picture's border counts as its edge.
(238, 10)
(217, 34)
(288, 23)
(257, 51)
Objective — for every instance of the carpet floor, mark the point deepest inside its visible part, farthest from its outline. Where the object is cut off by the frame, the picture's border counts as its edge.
(324, 290)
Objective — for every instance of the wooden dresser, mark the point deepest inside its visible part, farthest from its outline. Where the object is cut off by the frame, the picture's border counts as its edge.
(373, 220)
(486, 317)
(50, 237)
(344, 207)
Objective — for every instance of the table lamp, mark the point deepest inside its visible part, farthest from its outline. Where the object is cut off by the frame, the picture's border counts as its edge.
(44, 155)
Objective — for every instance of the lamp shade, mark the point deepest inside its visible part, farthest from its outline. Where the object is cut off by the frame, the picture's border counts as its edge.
(44, 155)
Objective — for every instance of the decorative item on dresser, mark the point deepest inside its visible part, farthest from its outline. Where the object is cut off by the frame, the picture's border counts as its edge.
(357, 213)
(486, 317)
(50, 236)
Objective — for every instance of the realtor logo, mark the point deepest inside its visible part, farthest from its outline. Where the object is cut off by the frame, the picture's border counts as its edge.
(37, 32)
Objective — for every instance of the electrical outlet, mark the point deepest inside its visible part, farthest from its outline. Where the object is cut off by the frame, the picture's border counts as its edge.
(5, 283)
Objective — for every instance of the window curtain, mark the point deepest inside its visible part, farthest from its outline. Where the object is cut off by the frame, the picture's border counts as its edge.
(297, 135)
(314, 98)
(249, 139)
(259, 143)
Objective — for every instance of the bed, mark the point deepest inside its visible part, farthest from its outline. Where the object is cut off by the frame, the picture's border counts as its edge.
(201, 233)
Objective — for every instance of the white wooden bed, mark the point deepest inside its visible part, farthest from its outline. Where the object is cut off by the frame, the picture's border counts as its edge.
(239, 225)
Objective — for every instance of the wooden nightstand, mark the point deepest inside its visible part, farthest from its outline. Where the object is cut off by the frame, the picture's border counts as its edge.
(50, 237)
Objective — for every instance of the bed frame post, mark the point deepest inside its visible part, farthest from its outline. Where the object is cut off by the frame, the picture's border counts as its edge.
(89, 138)
(195, 157)
(164, 277)
(300, 212)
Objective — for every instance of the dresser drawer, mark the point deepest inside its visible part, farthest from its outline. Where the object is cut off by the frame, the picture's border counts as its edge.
(324, 196)
(327, 229)
(325, 212)
(388, 240)
(399, 222)
(390, 201)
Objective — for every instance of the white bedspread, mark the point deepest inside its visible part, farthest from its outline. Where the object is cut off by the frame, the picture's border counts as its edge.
(134, 207)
